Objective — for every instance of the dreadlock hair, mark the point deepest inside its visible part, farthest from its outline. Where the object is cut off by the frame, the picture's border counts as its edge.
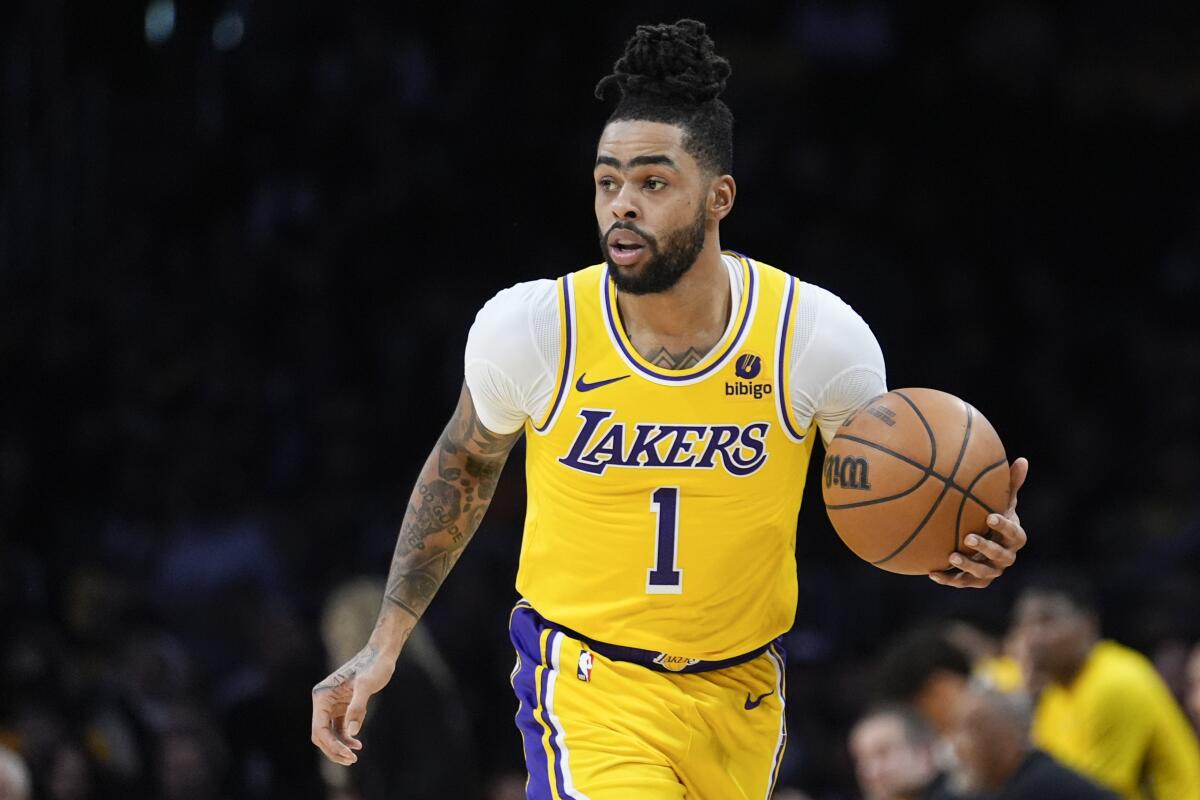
(671, 74)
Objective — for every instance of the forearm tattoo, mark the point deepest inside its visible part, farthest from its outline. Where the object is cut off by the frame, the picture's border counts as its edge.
(360, 663)
(453, 492)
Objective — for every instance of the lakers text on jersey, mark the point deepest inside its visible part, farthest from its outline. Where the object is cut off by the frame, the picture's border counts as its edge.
(663, 503)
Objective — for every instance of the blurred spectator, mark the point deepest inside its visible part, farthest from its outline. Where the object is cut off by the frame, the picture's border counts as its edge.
(507, 787)
(258, 700)
(892, 749)
(72, 776)
(992, 663)
(1103, 709)
(1193, 685)
(784, 794)
(193, 761)
(994, 753)
(923, 667)
(14, 776)
(415, 725)
(931, 666)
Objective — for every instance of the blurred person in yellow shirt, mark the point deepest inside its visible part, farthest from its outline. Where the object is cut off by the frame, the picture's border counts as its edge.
(1102, 708)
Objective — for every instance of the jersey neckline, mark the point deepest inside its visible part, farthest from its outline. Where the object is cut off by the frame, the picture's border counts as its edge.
(733, 337)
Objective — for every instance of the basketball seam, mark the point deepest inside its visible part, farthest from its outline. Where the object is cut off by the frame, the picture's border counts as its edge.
(928, 470)
(924, 422)
(929, 473)
(962, 450)
(926, 473)
(966, 495)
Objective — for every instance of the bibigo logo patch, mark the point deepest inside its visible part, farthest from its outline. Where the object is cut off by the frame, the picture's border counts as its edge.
(746, 368)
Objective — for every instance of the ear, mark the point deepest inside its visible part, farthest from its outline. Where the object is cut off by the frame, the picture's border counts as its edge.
(721, 195)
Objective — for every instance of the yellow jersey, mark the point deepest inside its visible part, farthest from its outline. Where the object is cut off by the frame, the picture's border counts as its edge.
(662, 504)
(1118, 724)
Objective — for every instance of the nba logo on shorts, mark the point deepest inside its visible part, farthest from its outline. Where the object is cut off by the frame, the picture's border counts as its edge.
(584, 672)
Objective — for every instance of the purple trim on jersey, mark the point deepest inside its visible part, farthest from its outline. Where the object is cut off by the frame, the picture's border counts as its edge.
(782, 366)
(779, 656)
(564, 381)
(734, 341)
(533, 718)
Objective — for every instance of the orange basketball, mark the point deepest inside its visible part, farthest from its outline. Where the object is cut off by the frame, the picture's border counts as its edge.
(909, 475)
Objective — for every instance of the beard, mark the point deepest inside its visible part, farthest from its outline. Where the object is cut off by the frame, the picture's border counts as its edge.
(665, 264)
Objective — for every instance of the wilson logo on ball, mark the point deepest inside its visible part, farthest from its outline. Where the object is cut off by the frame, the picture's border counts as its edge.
(849, 472)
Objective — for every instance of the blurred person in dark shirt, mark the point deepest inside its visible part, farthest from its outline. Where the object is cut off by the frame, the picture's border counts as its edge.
(995, 757)
(893, 752)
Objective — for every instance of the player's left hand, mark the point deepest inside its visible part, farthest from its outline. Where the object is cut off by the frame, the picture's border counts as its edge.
(998, 550)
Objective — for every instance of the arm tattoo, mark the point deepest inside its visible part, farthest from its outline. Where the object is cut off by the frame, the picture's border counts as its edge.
(365, 658)
(453, 492)
(668, 360)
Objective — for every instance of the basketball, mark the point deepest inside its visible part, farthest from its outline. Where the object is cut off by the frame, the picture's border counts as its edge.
(909, 475)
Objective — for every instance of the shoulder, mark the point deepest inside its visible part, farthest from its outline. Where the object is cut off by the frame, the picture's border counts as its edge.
(835, 362)
(822, 316)
(1120, 680)
(828, 328)
(832, 309)
(511, 354)
(519, 324)
(518, 301)
(1112, 664)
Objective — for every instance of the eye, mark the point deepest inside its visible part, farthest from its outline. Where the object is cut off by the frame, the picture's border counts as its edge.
(654, 184)
(605, 184)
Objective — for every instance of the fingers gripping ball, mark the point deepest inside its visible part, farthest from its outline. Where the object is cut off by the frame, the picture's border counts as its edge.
(909, 475)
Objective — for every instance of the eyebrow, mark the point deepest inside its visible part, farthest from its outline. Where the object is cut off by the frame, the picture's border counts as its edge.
(636, 161)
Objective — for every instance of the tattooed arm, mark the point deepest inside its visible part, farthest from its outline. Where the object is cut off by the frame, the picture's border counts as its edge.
(452, 493)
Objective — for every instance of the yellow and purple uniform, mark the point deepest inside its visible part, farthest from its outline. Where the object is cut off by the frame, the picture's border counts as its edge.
(657, 565)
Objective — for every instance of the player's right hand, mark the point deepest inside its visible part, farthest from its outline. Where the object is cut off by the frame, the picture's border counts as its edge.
(340, 703)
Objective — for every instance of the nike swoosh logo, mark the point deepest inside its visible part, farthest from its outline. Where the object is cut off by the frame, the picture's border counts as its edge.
(752, 704)
(583, 386)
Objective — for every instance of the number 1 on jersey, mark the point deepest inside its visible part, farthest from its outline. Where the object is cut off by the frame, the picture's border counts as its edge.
(665, 577)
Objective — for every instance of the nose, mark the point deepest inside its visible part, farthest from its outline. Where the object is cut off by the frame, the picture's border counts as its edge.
(624, 204)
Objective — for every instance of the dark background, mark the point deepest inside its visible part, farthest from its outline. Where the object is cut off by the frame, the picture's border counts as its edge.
(240, 253)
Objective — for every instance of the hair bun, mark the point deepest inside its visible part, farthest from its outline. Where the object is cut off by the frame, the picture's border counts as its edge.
(675, 62)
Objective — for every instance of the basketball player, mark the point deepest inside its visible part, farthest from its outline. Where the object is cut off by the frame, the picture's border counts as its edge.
(670, 398)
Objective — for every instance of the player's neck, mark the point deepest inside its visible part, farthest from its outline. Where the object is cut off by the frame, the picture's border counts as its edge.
(690, 316)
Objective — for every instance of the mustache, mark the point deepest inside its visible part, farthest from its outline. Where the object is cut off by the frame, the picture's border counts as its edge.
(624, 225)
